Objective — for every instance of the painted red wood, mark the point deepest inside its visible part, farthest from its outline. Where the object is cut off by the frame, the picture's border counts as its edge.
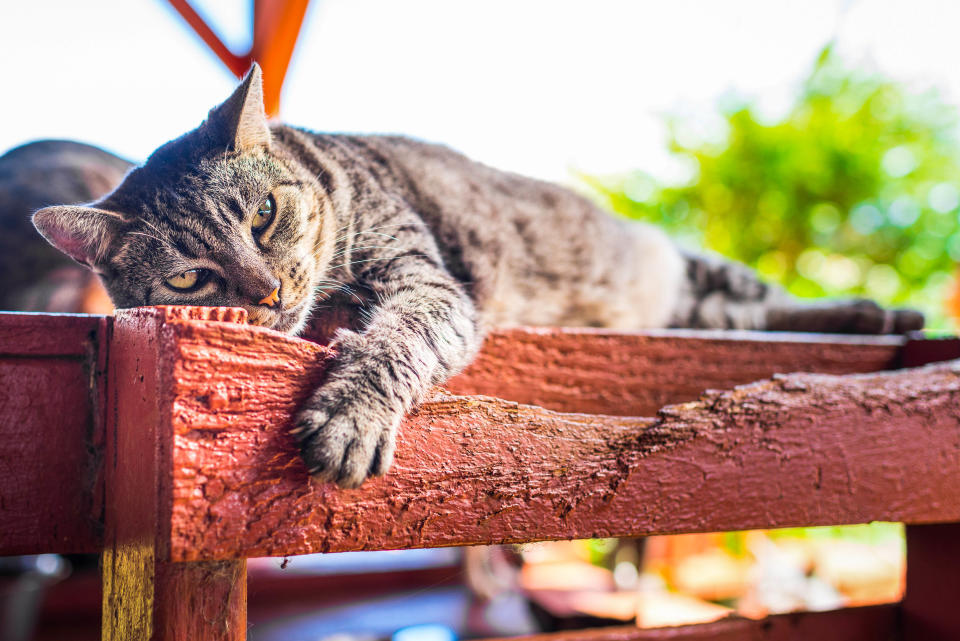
(921, 351)
(930, 605)
(874, 623)
(190, 390)
(46, 335)
(799, 450)
(50, 487)
(637, 373)
(146, 596)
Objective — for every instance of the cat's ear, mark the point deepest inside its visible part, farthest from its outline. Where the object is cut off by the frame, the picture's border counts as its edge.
(82, 233)
(240, 122)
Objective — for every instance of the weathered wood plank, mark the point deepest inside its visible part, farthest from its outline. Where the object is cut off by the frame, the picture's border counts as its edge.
(919, 350)
(637, 373)
(146, 597)
(64, 384)
(873, 623)
(805, 449)
(45, 335)
(933, 583)
(50, 432)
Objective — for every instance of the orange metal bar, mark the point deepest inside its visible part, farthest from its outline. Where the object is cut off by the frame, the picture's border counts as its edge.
(238, 65)
(276, 26)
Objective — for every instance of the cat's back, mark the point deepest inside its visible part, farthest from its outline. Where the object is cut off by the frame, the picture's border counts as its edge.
(529, 251)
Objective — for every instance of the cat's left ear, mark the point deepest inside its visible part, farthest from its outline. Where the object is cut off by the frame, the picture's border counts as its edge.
(240, 123)
(82, 233)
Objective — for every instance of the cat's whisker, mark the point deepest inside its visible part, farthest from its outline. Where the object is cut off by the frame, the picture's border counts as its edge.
(151, 226)
(371, 260)
(377, 233)
(336, 285)
(358, 248)
(373, 229)
(349, 290)
(146, 235)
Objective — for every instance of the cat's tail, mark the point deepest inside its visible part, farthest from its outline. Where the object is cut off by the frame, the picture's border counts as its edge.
(723, 294)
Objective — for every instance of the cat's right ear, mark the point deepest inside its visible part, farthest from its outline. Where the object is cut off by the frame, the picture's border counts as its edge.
(82, 233)
(240, 122)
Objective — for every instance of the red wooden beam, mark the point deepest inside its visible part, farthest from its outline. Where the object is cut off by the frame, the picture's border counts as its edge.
(145, 595)
(637, 373)
(871, 623)
(808, 449)
(51, 375)
(547, 360)
(933, 583)
(55, 358)
(199, 470)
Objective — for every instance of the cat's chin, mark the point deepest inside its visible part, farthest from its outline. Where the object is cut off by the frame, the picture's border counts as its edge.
(289, 324)
(287, 321)
(292, 321)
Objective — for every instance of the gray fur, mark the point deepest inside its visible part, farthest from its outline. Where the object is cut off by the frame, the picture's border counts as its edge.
(428, 247)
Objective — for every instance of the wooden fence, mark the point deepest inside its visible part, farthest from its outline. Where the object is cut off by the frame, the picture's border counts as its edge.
(158, 438)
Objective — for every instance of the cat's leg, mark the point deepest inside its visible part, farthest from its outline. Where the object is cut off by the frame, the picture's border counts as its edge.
(727, 295)
(422, 330)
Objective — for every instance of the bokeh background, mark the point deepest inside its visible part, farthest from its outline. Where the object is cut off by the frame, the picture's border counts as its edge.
(814, 140)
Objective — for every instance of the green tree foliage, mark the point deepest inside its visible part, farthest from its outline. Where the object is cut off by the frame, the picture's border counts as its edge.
(854, 192)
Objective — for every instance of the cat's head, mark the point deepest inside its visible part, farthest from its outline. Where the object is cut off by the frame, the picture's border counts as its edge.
(215, 217)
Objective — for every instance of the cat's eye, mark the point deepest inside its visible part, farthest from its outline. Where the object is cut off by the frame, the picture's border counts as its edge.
(190, 280)
(264, 215)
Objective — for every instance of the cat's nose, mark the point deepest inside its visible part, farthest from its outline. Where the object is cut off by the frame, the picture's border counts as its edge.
(266, 292)
(271, 299)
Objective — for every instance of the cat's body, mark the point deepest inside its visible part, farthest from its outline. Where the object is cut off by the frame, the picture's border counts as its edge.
(427, 247)
(525, 252)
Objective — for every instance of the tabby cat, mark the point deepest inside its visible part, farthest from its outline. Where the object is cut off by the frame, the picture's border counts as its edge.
(426, 246)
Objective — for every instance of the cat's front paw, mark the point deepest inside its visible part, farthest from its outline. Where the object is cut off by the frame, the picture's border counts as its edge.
(343, 441)
(347, 429)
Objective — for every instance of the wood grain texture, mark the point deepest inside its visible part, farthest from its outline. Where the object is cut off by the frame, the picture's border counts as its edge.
(801, 449)
(637, 373)
(933, 583)
(145, 595)
(51, 432)
(873, 623)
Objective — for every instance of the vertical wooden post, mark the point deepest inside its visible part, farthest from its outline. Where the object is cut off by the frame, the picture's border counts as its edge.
(931, 605)
(146, 597)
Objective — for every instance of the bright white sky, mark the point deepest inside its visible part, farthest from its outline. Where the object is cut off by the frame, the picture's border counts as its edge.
(535, 86)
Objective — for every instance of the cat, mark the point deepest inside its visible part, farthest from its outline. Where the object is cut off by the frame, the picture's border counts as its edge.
(48, 172)
(426, 247)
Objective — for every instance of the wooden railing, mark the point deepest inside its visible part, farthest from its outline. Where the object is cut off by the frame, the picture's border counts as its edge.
(158, 438)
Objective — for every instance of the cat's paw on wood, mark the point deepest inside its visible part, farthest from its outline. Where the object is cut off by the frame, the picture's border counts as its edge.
(347, 429)
(340, 449)
(343, 439)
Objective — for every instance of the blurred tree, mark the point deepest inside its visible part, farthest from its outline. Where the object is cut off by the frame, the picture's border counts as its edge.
(854, 192)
